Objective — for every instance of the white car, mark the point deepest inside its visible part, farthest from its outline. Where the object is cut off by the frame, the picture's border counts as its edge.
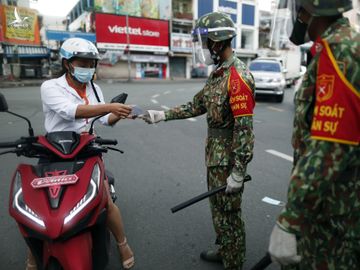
(269, 77)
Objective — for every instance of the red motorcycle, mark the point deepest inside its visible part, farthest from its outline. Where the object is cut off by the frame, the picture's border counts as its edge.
(60, 204)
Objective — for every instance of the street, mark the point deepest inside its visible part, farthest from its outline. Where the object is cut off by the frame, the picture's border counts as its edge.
(163, 165)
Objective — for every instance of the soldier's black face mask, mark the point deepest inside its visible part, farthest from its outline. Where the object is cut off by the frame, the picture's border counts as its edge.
(215, 54)
(299, 34)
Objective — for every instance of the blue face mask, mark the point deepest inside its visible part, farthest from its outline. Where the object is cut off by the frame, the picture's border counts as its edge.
(83, 75)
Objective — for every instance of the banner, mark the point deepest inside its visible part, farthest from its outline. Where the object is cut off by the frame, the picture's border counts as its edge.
(141, 34)
(181, 42)
(153, 9)
(20, 25)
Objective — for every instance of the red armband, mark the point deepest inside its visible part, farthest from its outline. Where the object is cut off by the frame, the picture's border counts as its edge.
(242, 101)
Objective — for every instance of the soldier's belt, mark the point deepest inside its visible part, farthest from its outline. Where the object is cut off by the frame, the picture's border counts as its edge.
(220, 132)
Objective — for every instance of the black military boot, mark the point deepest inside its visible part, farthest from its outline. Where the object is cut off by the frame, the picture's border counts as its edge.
(211, 256)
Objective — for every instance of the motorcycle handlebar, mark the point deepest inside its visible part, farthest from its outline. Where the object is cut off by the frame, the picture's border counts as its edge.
(22, 140)
(106, 141)
(8, 144)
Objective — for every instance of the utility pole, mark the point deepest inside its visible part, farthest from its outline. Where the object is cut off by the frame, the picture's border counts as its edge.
(128, 47)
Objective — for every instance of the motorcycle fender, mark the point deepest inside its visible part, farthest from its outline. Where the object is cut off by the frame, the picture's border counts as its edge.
(72, 254)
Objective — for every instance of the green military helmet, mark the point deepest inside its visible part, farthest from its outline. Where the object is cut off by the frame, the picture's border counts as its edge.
(326, 7)
(216, 26)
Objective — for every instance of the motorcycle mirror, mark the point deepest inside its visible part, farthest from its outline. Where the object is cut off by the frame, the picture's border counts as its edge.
(120, 98)
(4, 108)
(3, 104)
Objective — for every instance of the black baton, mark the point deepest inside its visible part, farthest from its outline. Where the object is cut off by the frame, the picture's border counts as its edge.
(263, 263)
(203, 196)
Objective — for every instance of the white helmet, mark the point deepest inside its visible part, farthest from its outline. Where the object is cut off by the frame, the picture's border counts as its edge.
(78, 47)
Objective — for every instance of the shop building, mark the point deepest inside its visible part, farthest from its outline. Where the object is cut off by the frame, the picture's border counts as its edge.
(132, 36)
(132, 44)
(22, 55)
(181, 24)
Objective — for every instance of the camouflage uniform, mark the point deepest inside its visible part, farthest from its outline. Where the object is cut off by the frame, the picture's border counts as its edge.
(323, 207)
(229, 147)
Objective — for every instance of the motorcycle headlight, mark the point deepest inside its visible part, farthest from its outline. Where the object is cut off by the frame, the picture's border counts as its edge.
(20, 205)
(93, 189)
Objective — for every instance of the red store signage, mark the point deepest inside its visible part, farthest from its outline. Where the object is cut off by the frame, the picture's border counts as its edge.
(144, 34)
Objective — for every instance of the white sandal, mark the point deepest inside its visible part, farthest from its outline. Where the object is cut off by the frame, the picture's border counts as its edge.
(129, 263)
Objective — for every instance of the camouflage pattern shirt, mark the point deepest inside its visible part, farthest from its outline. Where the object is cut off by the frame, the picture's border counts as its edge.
(214, 99)
(325, 181)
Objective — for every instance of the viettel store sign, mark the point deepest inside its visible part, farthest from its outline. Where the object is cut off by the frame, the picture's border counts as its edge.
(149, 35)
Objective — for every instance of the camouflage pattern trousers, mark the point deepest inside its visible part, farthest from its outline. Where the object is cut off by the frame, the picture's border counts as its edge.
(331, 245)
(226, 215)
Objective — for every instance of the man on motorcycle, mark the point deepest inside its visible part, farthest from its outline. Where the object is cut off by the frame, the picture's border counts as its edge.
(69, 102)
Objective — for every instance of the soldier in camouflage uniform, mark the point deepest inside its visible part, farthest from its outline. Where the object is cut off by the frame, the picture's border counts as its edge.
(227, 98)
(320, 226)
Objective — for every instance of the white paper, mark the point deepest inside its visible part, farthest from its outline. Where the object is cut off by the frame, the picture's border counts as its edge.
(273, 201)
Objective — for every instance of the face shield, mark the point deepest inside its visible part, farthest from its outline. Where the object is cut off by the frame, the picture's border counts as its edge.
(201, 53)
(284, 22)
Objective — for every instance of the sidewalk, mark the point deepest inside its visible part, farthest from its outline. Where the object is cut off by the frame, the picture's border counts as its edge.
(38, 82)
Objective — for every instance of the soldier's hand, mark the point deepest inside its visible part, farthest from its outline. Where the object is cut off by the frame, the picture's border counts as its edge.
(152, 117)
(234, 182)
(282, 247)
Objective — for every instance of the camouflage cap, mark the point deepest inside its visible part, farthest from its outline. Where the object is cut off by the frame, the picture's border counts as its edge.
(219, 26)
(326, 7)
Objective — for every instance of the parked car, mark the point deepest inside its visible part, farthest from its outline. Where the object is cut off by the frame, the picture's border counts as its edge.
(269, 76)
(199, 71)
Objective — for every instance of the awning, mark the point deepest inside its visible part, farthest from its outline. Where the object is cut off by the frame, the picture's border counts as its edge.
(63, 35)
(26, 51)
(146, 58)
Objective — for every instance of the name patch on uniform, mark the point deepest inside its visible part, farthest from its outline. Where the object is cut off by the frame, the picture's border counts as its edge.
(242, 101)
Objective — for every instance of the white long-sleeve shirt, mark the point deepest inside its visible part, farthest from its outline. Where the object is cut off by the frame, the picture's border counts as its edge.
(60, 102)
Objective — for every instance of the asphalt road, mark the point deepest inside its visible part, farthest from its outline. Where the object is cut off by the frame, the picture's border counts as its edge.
(163, 165)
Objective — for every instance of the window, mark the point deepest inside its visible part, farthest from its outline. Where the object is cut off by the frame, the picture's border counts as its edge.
(247, 39)
(248, 14)
(265, 66)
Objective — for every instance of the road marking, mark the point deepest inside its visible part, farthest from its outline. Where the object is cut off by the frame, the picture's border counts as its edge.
(191, 119)
(257, 121)
(154, 101)
(167, 92)
(275, 109)
(155, 96)
(165, 107)
(279, 154)
(180, 89)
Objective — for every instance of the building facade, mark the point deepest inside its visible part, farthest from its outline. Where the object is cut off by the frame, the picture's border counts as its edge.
(245, 14)
(21, 52)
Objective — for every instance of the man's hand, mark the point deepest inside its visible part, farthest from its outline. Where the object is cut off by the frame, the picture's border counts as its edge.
(234, 183)
(120, 110)
(152, 117)
(282, 247)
